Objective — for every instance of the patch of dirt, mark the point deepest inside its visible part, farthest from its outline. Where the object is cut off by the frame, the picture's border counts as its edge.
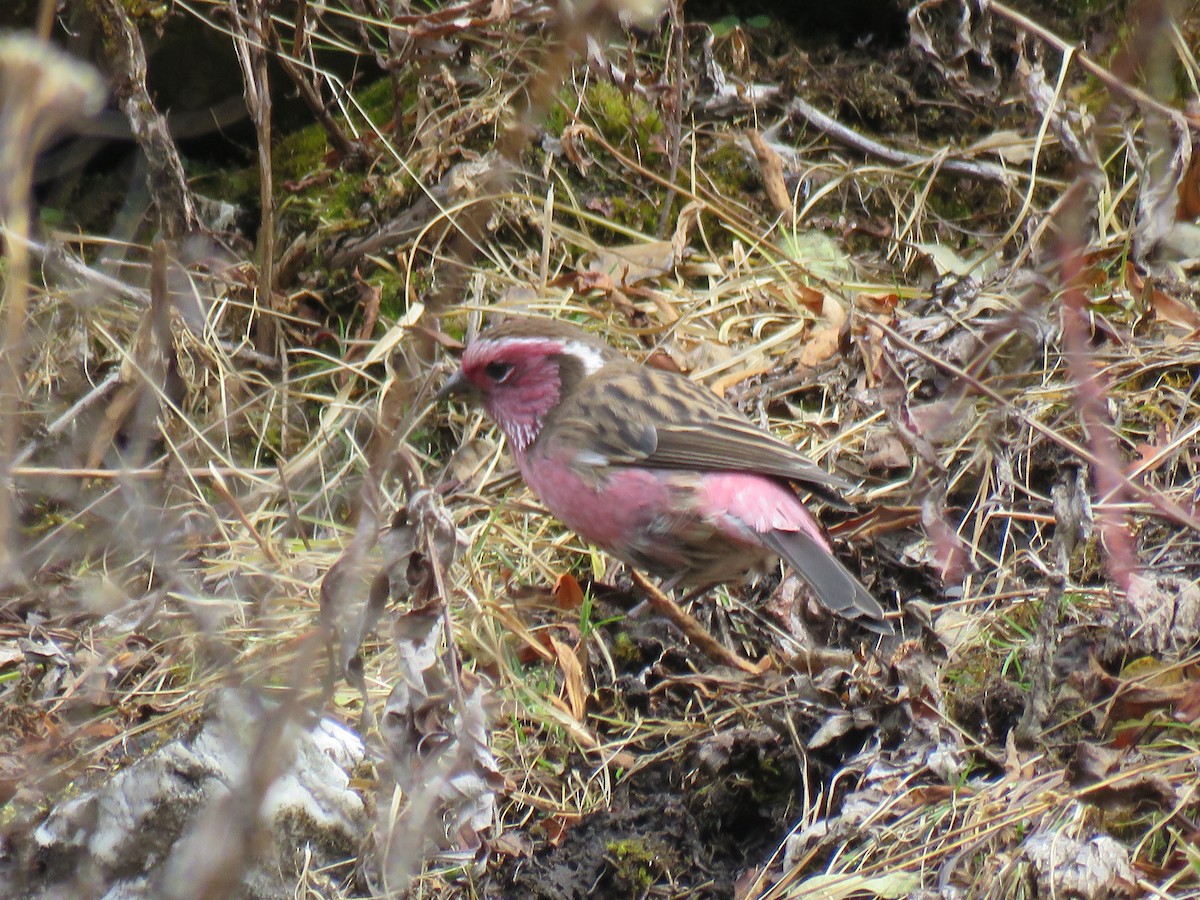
(686, 827)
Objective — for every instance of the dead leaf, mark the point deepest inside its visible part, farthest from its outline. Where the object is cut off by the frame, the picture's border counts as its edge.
(10, 654)
(660, 359)
(809, 297)
(836, 725)
(822, 345)
(770, 167)
(116, 414)
(1189, 191)
(880, 302)
(449, 342)
(585, 282)
(1166, 609)
(633, 263)
(573, 678)
(722, 385)
(1011, 146)
(512, 844)
(1089, 870)
(573, 148)
(568, 594)
(558, 826)
(1165, 308)
(885, 452)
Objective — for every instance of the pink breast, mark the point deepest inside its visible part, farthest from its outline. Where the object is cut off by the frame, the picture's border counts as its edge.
(608, 513)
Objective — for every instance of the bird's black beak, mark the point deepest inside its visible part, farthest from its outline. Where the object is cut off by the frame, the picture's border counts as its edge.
(457, 385)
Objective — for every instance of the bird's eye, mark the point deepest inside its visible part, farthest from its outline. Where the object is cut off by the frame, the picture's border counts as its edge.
(498, 371)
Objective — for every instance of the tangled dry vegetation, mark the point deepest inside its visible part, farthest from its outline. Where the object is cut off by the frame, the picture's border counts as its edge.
(949, 258)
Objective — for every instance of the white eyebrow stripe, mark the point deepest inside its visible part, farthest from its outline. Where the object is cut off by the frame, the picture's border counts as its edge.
(592, 359)
(589, 357)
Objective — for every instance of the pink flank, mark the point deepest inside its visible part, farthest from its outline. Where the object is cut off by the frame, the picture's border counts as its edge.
(737, 500)
(630, 505)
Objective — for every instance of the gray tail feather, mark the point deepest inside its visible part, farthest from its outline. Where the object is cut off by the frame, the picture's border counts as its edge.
(838, 590)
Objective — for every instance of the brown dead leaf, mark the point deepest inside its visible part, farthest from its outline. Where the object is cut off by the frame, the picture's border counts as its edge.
(572, 140)
(557, 826)
(810, 298)
(10, 654)
(660, 359)
(770, 167)
(1147, 689)
(1167, 610)
(1187, 710)
(1189, 191)
(883, 451)
(633, 263)
(880, 302)
(833, 312)
(585, 282)
(512, 844)
(573, 678)
(1165, 308)
(446, 341)
(722, 385)
(568, 594)
(1110, 779)
(116, 415)
(1174, 311)
(822, 345)
(685, 224)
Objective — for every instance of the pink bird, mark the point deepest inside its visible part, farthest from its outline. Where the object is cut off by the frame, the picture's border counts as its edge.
(653, 467)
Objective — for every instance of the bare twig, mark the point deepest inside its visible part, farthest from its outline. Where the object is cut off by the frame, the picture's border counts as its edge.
(173, 199)
(851, 138)
(304, 77)
(693, 630)
(250, 29)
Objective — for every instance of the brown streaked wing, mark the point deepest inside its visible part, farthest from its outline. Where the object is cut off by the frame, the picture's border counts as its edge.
(633, 415)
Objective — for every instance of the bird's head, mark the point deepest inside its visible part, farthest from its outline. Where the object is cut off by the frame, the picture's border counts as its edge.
(520, 370)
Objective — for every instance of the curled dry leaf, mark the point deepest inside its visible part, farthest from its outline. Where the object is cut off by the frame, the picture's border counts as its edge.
(1095, 869)
(573, 147)
(1115, 781)
(1162, 305)
(771, 169)
(1165, 611)
(574, 680)
(1189, 191)
(436, 736)
(634, 263)
(567, 592)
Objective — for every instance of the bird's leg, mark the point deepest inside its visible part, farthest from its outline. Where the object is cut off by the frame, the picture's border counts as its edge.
(693, 594)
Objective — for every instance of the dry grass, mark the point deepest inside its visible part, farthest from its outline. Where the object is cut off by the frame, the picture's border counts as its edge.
(1008, 369)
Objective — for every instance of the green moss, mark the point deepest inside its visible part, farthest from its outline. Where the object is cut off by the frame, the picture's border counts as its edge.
(623, 119)
(390, 285)
(637, 862)
(377, 100)
(625, 651)
(560, 115)
(236, 186)
(147, 11)
(731, 171)
(299, 154)
(634, 211)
